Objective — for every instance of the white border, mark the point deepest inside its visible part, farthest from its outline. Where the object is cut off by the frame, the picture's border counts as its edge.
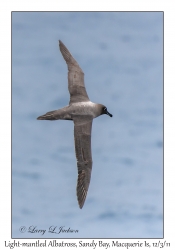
(5, 95)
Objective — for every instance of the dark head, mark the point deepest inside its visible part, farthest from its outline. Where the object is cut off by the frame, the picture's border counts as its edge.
(105, 111)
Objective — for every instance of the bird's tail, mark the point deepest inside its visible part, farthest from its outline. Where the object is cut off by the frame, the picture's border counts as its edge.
(52, 115)
(59, 114)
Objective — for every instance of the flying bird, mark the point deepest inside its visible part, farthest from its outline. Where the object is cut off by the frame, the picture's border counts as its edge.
(82, 112)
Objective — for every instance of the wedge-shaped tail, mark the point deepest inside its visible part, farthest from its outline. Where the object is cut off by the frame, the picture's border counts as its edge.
(59, 114)
(52, 115)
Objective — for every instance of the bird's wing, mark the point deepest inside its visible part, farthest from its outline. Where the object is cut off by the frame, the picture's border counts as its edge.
(76, 85)
(82, 136)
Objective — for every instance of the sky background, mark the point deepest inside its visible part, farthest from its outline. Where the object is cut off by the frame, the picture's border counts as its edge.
(121, 54)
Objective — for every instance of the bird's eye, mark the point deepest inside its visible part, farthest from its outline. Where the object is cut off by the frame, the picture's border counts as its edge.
(104, 108)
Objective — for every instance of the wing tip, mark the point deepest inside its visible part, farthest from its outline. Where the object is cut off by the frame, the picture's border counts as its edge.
(81, 205)
(68, 57)
(81, 190)
(81, 202)
(60, 43)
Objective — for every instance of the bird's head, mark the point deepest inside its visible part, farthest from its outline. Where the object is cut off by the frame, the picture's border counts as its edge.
(103, 110)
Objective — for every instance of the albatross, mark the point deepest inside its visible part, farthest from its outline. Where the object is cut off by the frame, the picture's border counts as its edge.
(82, 112)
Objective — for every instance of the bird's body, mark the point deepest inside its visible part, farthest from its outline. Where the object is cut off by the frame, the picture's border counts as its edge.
(68, 112)
(82, 112)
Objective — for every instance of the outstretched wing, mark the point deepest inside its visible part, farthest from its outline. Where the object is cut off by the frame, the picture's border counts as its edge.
(76, 85)
(82, 136)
